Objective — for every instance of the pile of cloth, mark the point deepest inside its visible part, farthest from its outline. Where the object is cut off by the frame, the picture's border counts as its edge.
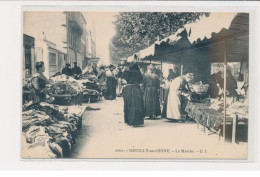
(48, 131)
(90, 85)
(211, 112)
(64, 85)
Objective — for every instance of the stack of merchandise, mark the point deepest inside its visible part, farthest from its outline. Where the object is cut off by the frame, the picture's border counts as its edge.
(239, 108)
(64, 85)
(90, 86)
(65, 89)
(47, 131)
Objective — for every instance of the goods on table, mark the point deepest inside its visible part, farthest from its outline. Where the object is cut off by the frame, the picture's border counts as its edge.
(90, 87)
(240, 108)
(210, 113)
(63, 77)
(64, 88)
(48, 132)
(90, 77)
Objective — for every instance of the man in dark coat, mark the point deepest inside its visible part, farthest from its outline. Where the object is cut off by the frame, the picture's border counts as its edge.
(76, 70)
(67, 70)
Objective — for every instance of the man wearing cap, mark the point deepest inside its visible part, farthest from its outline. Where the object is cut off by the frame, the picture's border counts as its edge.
(76, 70)
(67, 70)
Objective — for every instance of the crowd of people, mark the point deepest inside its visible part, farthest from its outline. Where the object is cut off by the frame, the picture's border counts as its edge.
(140, 88)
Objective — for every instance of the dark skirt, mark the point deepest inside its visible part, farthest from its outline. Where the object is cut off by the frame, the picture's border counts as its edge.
(111, 88)
(37, 96)
(133, 105)
(151, 102)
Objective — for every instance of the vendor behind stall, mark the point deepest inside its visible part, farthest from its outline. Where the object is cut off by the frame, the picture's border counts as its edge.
(76, 71)
(39, 81)
(215, 84)
(178, 96)
(67, 70)
(171, 76)
(231, 86)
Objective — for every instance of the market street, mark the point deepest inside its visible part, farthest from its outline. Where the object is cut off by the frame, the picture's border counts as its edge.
(104, 135)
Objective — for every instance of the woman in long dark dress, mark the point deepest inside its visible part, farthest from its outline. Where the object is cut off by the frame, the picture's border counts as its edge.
(151, 85)
(132, 95)
(111, 84)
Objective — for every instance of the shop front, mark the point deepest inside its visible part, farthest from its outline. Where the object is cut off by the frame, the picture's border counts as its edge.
(28, 49)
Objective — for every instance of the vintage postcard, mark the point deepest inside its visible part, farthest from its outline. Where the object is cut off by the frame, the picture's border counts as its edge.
(135, 85)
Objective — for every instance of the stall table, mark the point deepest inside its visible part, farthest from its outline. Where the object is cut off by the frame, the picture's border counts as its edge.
(212, 119)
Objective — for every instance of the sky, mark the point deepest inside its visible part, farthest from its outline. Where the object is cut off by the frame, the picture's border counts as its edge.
(102, 24)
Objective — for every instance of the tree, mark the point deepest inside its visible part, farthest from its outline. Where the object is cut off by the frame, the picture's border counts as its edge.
(137, 30)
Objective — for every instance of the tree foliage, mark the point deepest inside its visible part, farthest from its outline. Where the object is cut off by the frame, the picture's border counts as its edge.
(137, 30)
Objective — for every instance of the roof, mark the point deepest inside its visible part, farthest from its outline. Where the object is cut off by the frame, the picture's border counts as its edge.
(203, 28)
(236, 37)
(209, 34)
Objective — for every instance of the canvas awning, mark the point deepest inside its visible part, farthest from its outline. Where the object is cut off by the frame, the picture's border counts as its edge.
(232, 42)
(169, 49)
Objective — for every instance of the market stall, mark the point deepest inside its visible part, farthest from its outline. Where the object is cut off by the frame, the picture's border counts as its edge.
(66, 90)
(91, 91)
(196, 46)
(229, 45)
(209, 114)
(48, 131)
(49, 128)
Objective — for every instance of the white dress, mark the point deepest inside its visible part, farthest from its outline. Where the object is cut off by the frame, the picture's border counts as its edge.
(174, 99)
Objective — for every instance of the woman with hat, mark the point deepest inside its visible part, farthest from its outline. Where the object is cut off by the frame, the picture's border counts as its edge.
(132, 95)
(151, 84)
(178, 96)
(111, 83)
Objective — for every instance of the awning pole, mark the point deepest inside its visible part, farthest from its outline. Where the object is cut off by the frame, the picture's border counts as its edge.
(181, 62)
(161, 65)
(225, 92)
(161, 89)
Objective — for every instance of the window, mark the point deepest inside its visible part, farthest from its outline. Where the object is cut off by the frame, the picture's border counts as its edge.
(53, 63)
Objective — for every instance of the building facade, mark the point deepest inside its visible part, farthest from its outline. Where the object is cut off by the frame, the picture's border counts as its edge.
(91, 56)
(59, 38)
(76, 26)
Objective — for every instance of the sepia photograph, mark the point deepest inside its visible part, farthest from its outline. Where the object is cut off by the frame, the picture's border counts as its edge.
(135, 85)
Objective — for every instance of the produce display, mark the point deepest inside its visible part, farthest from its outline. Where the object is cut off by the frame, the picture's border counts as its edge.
(48, 130)
(64, 88)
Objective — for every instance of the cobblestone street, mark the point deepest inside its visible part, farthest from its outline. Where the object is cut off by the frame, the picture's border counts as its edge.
(104, 135)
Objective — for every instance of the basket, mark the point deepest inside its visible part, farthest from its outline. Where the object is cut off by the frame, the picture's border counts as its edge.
(200, 89)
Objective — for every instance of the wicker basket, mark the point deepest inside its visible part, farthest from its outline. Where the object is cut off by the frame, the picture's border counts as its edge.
(200, 89)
